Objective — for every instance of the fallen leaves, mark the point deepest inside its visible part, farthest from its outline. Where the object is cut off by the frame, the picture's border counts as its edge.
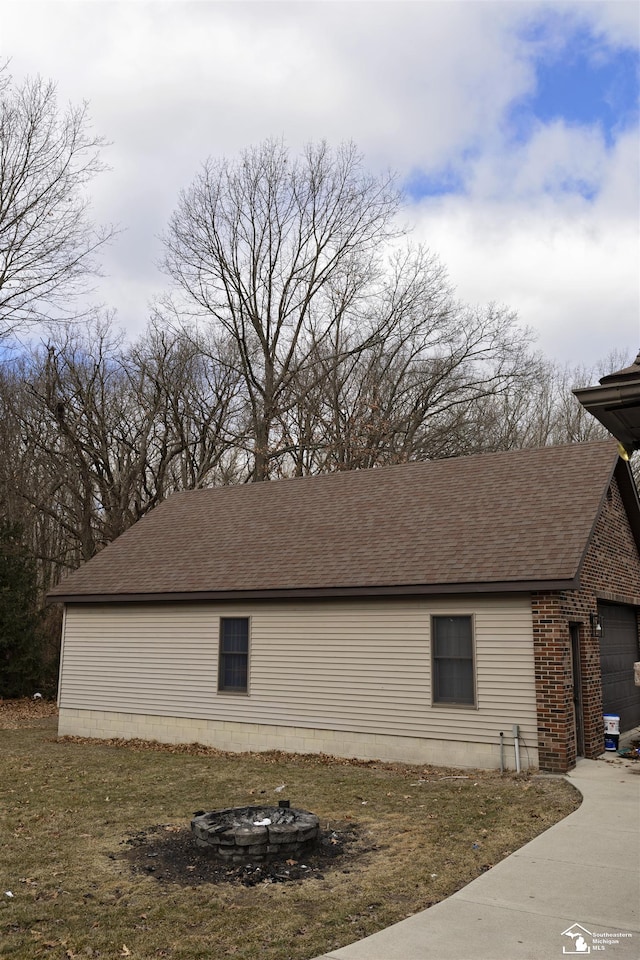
(270, 757)
(19, 713)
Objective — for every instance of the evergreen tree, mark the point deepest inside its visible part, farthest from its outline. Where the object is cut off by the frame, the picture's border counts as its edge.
(20, 637)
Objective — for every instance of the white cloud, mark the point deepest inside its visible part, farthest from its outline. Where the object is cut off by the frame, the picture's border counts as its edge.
(571, 275)
(408, 81)
(416, 85)
(616, 21)
(556, 159)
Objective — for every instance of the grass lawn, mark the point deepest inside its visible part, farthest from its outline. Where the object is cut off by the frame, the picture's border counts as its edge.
(412, 836)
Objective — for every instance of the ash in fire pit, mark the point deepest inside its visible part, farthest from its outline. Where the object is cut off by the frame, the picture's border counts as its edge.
(259, 834)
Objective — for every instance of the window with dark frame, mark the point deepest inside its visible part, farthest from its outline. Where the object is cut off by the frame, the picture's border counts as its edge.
(453, 666)
(233, 668)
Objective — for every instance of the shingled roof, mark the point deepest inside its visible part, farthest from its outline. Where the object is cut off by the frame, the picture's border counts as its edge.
(516, 520)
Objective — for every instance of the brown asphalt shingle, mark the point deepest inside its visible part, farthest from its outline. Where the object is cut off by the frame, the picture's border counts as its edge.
(503, 519)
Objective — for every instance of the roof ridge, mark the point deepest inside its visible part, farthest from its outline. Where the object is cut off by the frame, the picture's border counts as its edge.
(378, 470)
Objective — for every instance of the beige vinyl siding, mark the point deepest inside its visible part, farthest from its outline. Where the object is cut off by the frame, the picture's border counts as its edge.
(361, 666)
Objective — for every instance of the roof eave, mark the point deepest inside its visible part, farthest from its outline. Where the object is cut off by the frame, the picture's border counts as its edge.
(320, 593)
(605, 402)
(630, 499)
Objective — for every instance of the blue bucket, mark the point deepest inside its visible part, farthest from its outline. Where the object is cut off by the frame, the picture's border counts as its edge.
(611, 731)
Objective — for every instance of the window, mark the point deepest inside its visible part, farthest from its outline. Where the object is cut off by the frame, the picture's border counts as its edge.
(233, 669)
(453, 670)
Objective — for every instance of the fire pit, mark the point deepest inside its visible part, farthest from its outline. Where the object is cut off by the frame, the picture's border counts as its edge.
(245, 834)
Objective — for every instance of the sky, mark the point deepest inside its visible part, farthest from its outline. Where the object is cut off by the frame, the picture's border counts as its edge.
(513, 127)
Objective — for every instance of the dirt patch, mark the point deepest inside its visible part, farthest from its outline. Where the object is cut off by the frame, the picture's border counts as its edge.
(168, 854)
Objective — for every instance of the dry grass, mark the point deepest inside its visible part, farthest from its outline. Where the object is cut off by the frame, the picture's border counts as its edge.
(67, 808)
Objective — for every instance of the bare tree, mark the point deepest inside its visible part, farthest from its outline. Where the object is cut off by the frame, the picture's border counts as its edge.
(101, 432)
(277, 251)
(22, 472)
(407, 392)
(540, 409)
(201, 413)
(47, 240)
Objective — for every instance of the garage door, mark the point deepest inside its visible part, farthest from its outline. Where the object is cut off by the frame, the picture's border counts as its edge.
(618, 653)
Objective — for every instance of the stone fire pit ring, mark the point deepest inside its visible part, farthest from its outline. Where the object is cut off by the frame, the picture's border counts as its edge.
(256, 834)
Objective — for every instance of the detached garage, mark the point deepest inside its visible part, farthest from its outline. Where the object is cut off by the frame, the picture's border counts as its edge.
(413, 612)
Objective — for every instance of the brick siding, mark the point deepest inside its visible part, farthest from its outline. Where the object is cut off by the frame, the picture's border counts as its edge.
(610, 571)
